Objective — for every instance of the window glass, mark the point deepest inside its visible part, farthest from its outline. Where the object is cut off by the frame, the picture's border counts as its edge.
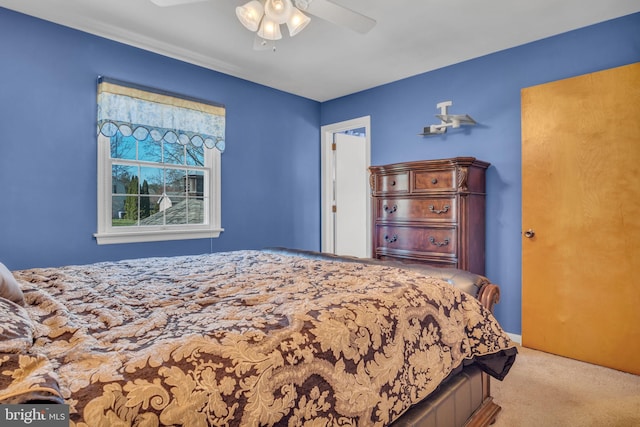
(155, 192)
(150, 151)
(174, 154)
(121, 176)
(118, 212)
(123, 147)
(195, 156)
(153, 176)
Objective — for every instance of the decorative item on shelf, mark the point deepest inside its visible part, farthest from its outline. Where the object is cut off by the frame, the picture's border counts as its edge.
(447, 120)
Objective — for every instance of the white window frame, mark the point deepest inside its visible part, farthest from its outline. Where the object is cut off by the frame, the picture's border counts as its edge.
(108, 234)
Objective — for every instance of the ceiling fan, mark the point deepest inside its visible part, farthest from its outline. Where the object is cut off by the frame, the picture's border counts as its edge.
(265, 16)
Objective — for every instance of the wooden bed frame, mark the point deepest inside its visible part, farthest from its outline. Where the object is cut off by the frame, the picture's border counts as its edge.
(464, 400)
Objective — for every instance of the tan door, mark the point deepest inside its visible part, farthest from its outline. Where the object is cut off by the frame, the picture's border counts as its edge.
(581, 201)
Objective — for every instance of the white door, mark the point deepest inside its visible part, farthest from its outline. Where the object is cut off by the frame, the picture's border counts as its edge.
(346, 207)
(351, 197)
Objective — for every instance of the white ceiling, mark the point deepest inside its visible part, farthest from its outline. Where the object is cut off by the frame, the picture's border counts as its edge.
(326, 61)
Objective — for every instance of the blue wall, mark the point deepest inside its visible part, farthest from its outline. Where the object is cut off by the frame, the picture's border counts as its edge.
(270, 169)
(488, 89)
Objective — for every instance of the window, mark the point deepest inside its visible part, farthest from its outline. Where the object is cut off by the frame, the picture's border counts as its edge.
(156, 180)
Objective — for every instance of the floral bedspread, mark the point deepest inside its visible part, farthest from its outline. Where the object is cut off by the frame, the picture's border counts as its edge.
(244, 338)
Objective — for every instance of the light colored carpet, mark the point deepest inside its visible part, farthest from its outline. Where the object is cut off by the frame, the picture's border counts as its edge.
(544, 390)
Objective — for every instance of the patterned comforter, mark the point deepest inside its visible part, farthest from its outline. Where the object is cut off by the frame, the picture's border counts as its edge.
(244, 338)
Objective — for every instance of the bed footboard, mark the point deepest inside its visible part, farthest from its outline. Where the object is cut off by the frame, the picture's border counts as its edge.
(463, 401)
(489, 295)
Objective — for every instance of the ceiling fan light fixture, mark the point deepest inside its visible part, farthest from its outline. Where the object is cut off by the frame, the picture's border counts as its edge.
(297, 22)
(250, 14)
(279, 11)
(269, 29)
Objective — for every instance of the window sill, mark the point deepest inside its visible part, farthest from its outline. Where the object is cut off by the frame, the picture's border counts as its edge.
(155, 236)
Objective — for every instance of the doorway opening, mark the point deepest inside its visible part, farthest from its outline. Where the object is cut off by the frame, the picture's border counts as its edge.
(346, 205)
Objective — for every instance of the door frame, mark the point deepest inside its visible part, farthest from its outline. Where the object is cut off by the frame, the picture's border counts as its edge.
(326, 181)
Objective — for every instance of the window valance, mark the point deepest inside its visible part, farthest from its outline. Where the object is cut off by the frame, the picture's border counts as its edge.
(143, 112)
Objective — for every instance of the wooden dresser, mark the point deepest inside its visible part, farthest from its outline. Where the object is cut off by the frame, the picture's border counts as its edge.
(430, 211)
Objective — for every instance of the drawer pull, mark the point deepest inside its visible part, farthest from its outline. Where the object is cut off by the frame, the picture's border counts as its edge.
(390, 240)
(439, 244)
(390, 210)
(434, 181)
(445, 209)
(393, 183)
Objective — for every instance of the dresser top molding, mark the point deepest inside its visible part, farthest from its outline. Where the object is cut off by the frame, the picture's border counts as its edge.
(430, 164)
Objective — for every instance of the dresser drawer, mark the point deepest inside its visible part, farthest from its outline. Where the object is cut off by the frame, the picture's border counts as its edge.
(435, 180)
(431, 209)
(415, 258)
(417, 239)
(392, 183)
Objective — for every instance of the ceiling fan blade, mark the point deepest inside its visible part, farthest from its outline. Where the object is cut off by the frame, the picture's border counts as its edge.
(340, 15)
(165, 3)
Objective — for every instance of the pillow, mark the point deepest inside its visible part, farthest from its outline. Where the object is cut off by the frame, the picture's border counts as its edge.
(9, 287)
(16, 328)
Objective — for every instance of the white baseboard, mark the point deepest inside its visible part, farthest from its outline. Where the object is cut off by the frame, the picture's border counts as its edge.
(515, 338)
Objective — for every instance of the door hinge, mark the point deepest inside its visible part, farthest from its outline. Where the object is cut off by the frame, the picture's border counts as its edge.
(334, 208)
(333, 146)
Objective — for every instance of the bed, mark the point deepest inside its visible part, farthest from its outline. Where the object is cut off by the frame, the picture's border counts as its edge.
(252, 338)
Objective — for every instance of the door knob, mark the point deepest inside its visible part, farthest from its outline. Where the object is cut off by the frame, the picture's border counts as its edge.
(529, 233)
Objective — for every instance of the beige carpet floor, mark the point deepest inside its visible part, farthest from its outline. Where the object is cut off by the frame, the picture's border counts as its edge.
(544, 390)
